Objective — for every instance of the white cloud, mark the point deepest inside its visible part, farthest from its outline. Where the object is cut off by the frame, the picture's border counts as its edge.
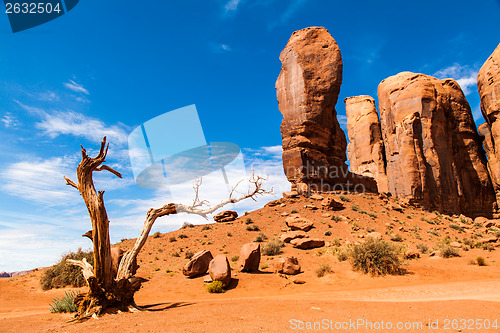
(220, 48)
(78, 125)
(342, 120)
(10, 121)
(465, 76)
(40, 181)
(49, 96)
(73, 86)
(232, 5)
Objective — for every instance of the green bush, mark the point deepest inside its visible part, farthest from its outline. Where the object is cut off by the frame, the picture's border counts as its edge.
(323, 269)
(272, 247)
(343, 254)
(65, 303)
(422, 248)
(253, 227)
(189, 254)
(376, 257)
(344, 198)
(235, 258)
(448, 252)
(336, 218)
(260, 237)
(248, 221)
(182, 236)
(480, 261)
(62, 275)
(216, 287)
(156, 234)
(187, 225)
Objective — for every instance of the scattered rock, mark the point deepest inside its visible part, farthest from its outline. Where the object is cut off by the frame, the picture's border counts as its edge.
(307, 243)
(287, 265)
(435, 254)
(485, 240)
(298, 281)
(456, 245)
(207, 279)
(412, 254)
(226, 216)
(273, 203)
(284, 214)
(249, 257)
(374, 235)
(290, 194)
(198, 265)
(397, 207)
(311, 207)
(330, 203)
(316, 197)
(220, 270)
(298, 223)
(287, 237)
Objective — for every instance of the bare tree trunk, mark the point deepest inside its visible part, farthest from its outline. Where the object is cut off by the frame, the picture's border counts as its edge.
(107, 290)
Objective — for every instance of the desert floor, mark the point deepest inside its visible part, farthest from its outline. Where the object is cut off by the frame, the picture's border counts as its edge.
(435, 291)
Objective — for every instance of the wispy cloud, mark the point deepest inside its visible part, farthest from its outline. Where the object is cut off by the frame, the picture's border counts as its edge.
(10, 121)
(342, 120)
(293, 6)
(48, 96)
(232, 5)
(220, 47)
(79, 125)
(73, 86)
(465, 76)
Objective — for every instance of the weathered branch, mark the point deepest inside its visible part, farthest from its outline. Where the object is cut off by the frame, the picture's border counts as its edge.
(125, 269)
(87, 269)
(107, 168)
(70, 182)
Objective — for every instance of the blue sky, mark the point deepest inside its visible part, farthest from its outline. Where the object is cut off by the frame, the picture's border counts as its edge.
(105, 68)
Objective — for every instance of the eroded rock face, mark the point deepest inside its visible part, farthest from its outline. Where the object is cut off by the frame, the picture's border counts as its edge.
(307, 89)
(307, 243)
(287, 265)
(488, 84)
(434, 155)
(366, 147)
(226, 216)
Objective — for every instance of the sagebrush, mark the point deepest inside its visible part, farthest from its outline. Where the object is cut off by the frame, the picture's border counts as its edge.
(62, 275)
(376, 257)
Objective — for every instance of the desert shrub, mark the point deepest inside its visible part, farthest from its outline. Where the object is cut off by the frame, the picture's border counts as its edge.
(260, 237)
(175, 254)
(156, 234)
(253, 227)
(181, 236)
(434, 232)
(344, 198)
(448, 252)
(488, 247)
(272, 247)
(235, 258)
(397, 238)
(248, 221)
(61, 274)
(187, 225)
(337, 242)
(355, 208)
(336, 218)
(456, 227)
(156, 269)
(343, 254)
(65, 303)
(480, 261)
(376, 257)
(370, 229)
(294, 211)
(189, 254)
(323, 269)
(328, 233)
(172, 239)
(264, 265)
(229, 234)
(422, 248)
(216, 287)
(205, 227)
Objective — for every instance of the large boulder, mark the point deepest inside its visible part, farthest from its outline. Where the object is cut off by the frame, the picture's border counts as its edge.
(307, 90)
(220, 270)
(366, 148)
(433, 151)
(288, 236)
(226, 216)
(307, 243)
(298, 223)
(198, 265)
(286, 265)
(249, 257)
(488, 84)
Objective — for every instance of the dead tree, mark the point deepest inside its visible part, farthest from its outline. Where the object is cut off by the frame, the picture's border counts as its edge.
(106, 289)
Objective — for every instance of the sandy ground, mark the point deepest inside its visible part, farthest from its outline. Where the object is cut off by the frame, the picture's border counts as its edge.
(435, 292)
